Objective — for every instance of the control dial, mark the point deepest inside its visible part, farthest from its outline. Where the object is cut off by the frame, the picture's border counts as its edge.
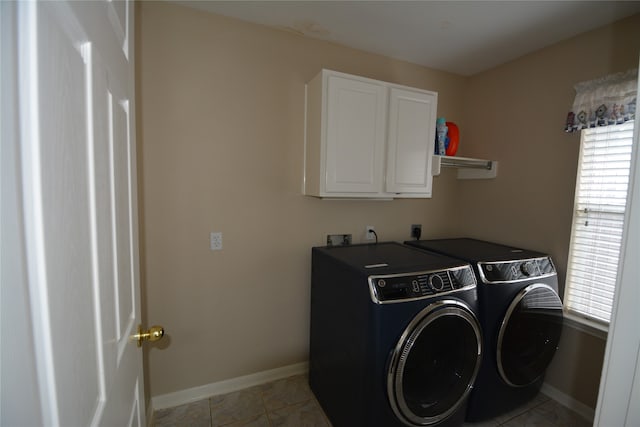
(436, 283)
(526, 268)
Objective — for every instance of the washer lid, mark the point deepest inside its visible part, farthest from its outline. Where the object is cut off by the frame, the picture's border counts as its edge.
(388, 258)
(474, 250)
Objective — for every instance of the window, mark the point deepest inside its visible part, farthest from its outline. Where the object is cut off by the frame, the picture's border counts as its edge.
(598, 220)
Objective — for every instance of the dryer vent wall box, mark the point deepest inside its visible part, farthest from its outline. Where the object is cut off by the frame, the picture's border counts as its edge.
(366, 138)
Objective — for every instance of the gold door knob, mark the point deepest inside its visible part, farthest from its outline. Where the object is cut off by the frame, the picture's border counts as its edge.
(153, 334)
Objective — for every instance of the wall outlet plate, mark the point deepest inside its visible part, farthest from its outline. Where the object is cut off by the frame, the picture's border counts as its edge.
(369, 232)
(215, 241)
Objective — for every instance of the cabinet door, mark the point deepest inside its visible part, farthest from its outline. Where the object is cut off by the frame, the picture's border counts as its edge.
(355, 136)
(412, 118)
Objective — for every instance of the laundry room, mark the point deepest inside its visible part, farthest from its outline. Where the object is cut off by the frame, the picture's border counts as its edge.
(220, 110)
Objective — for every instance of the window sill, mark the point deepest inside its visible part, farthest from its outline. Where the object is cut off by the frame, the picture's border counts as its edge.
(587, 326)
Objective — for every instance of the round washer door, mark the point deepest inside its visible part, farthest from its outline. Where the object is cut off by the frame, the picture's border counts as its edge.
(529, 335)
(434, 364)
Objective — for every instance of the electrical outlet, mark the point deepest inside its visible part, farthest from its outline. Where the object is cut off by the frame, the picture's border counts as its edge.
(216, 241)
(369, 234)
(416, 231)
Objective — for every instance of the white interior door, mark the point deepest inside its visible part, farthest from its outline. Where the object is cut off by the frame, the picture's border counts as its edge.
(77, 153)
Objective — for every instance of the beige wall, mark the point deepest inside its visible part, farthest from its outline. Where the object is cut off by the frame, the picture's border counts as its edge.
(515, 113)
(221, 145)
(221, 140)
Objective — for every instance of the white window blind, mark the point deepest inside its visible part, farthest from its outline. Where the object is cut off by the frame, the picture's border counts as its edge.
(598, 220)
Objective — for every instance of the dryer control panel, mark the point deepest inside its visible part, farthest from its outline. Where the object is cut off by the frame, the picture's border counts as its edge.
(425, 284)
(516, 271)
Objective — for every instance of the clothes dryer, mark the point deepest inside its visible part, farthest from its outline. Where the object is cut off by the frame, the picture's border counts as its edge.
(395, 339)
(521, 319)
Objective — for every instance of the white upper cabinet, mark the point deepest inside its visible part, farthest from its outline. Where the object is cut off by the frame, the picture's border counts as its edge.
(367, 139)
(355, 126)
(410, 145)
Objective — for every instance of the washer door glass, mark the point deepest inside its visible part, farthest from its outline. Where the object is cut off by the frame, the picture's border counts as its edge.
(435, 363)
(529, 335)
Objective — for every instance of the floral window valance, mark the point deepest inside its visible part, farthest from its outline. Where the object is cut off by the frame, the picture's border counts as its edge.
(609, 100)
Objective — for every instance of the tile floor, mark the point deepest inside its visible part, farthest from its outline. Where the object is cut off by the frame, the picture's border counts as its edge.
(290, 403)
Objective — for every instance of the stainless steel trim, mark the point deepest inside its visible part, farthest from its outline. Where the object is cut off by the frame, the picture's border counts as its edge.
(373, 290)
(403, 347)
(505, 322)
(496, 282)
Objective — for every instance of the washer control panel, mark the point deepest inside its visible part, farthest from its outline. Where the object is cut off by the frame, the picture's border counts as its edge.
(516, 271)
(425, 284)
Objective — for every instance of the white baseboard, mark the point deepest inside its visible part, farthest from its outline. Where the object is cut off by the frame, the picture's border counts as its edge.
(586, 412)
(227, 386)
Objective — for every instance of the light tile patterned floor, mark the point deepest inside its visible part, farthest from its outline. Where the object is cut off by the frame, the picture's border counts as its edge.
(290, 403)
(541, 411)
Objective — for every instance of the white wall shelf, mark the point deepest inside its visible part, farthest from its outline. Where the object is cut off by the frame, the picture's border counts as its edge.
(468, 168)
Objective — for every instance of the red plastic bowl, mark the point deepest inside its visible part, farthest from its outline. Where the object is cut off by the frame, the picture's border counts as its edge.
(454, 139)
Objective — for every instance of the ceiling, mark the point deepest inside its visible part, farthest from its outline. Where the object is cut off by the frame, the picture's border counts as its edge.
(462, 37)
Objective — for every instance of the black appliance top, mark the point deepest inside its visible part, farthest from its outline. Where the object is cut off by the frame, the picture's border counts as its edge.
(388, 257)
(473, 250)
